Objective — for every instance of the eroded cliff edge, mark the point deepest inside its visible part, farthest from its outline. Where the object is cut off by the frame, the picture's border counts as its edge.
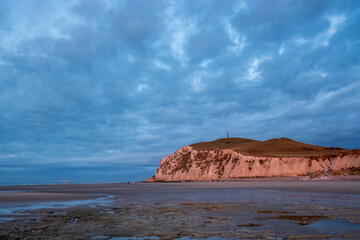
(233, 158)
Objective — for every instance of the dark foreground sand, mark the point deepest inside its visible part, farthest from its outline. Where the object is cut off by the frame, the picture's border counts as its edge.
(248, 209)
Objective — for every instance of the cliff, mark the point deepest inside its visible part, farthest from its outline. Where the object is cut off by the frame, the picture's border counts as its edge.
(232, 158)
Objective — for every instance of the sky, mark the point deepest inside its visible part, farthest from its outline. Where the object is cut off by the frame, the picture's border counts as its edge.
(101, 91)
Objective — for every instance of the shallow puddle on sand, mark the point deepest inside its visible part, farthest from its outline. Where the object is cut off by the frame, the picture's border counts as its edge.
(152, 238)
(4, 219)
(19, 209)
(334, 225)
(124, 238)
(209, 238)
(169, 213)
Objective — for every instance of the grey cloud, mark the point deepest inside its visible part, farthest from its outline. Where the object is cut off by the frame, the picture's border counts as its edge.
(207, 44)
(4, 16)
(104, 90)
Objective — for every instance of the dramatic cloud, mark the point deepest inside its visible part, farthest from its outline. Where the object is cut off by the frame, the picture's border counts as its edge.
(99, 90)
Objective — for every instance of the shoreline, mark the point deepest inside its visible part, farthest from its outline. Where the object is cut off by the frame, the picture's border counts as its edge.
(70, 192)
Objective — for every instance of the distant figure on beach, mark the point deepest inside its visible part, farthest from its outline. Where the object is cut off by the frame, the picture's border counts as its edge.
(128, 182)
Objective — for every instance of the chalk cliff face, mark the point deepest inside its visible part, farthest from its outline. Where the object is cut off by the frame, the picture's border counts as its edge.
(233, 158)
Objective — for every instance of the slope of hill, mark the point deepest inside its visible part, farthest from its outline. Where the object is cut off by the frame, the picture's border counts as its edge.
(285, 147)
(231, 158)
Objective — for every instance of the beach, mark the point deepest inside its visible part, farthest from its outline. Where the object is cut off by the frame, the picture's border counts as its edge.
(275, 208)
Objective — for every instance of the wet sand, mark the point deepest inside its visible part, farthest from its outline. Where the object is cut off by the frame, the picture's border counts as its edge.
(341, 184)
(36, 196)
(247, 209)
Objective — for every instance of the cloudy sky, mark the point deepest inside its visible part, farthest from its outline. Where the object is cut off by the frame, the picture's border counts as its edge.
(101, 91)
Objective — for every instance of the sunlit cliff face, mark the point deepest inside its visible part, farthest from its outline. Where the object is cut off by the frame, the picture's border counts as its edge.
(285, 158)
